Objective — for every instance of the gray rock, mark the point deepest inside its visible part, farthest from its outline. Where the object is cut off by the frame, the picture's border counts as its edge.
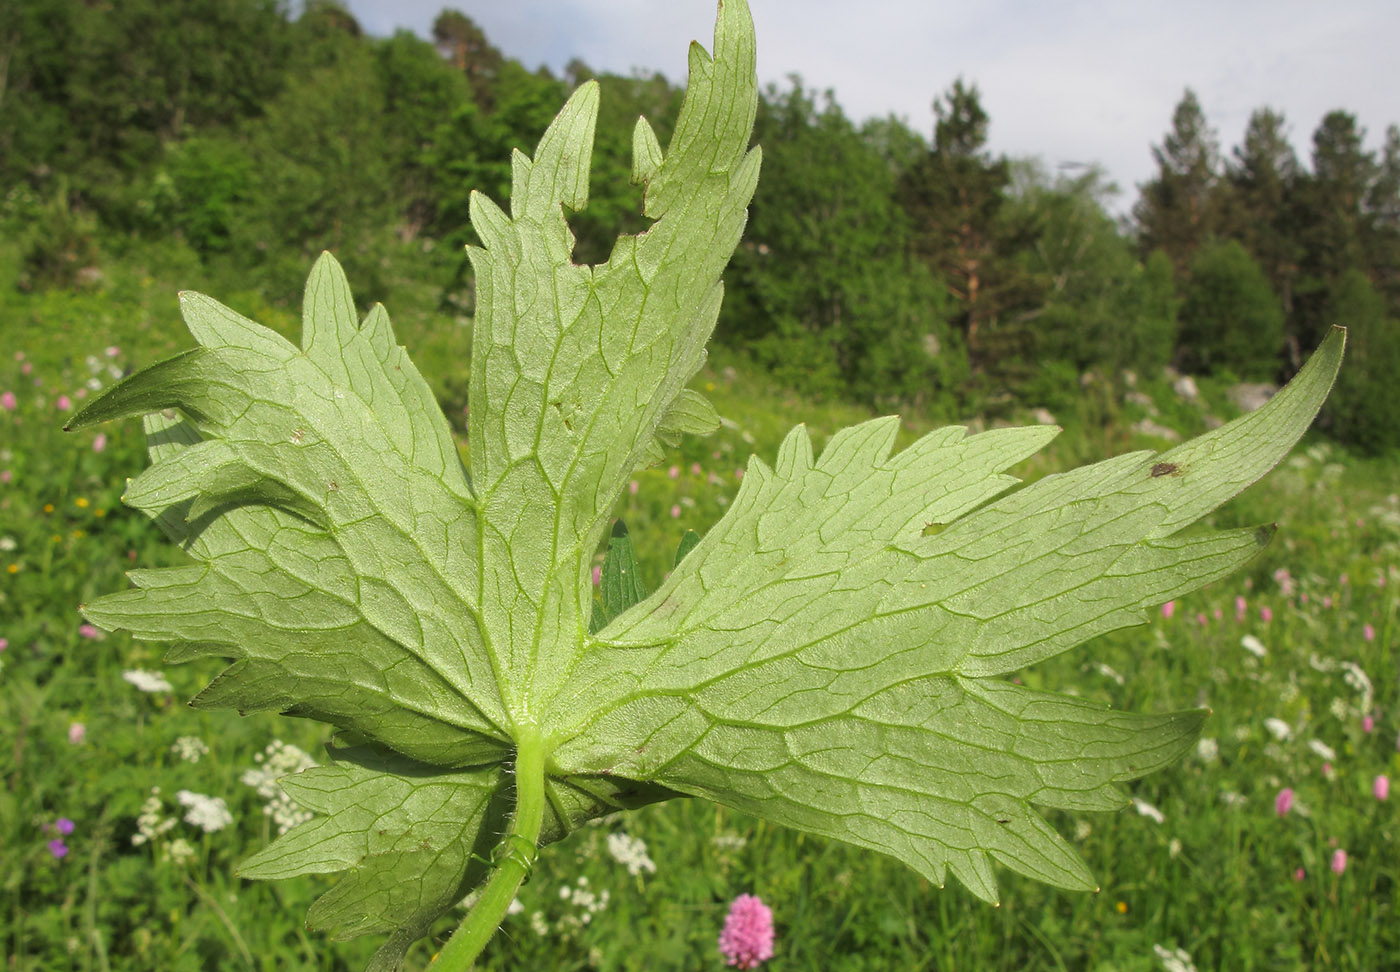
(1248, 396)
(1156, 430)
(1185, 386)
(1142, 401)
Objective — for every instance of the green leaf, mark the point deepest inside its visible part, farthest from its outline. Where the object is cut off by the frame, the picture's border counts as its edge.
(831, 655)
(818, 660)
(343, 557)
(689, 541)
(385, 816)
(620, 581)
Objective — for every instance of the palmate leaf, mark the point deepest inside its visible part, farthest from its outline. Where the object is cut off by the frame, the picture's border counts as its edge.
(831, 655)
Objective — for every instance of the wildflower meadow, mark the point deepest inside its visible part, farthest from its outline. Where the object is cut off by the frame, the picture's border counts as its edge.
(1275, 845)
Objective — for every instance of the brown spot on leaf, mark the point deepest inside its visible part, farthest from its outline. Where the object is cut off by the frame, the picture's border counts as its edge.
(1165, 469)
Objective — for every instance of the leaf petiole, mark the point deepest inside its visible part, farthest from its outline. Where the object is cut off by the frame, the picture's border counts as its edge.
(513, 857)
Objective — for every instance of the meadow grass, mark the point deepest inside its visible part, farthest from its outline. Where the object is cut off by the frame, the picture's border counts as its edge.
(1202, 862)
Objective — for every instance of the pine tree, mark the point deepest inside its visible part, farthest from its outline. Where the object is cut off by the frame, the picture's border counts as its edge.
(464, 44)
(1334, 218)
(1260, 200)
(955, 196)
(1383, 229)
(1175, 212)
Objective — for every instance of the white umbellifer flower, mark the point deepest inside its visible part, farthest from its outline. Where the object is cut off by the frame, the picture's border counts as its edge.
(1360, 683)
(1254, 646)
(279, 760)
(207, 813)
(631, 852)
(1108, 672)
(1174, 848)
(180, 851)
(190, 748)
(728, 842)
(1279, 729)
(1232, 799)
(1322, 749)
(1207, 750)
(8, 543)
(149, 823)
(147, 681)
(1148, 810)
(1082, 830)
(1174, 960)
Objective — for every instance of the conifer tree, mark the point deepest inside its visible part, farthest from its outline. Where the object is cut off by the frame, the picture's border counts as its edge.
(1260, 200)
(1383, 229)
(1334, 215)
(1175, 212)
(956, 196)
(464, 44)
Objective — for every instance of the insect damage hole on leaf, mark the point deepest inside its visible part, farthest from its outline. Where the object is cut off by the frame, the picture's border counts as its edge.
(834, 654)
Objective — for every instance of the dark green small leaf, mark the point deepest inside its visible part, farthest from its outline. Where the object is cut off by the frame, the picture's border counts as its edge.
(621, 584)
(688, 543)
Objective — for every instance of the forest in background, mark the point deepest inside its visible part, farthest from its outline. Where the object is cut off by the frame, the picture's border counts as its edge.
(881, 264)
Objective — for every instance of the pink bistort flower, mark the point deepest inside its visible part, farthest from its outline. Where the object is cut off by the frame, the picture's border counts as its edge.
(1339, 861)
(747, 938)
(1284, 801)
(1381, 787)
(8, 401)
(1168, 609)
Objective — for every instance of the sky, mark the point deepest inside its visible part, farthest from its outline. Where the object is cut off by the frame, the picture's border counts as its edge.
(1072, 82)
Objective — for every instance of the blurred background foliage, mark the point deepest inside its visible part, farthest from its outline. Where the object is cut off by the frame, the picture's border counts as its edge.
(883, 265)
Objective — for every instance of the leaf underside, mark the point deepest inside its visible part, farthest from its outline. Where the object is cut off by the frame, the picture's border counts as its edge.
(833, 655)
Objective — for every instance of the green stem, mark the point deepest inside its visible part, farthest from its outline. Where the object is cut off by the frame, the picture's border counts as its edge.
(514, 856)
